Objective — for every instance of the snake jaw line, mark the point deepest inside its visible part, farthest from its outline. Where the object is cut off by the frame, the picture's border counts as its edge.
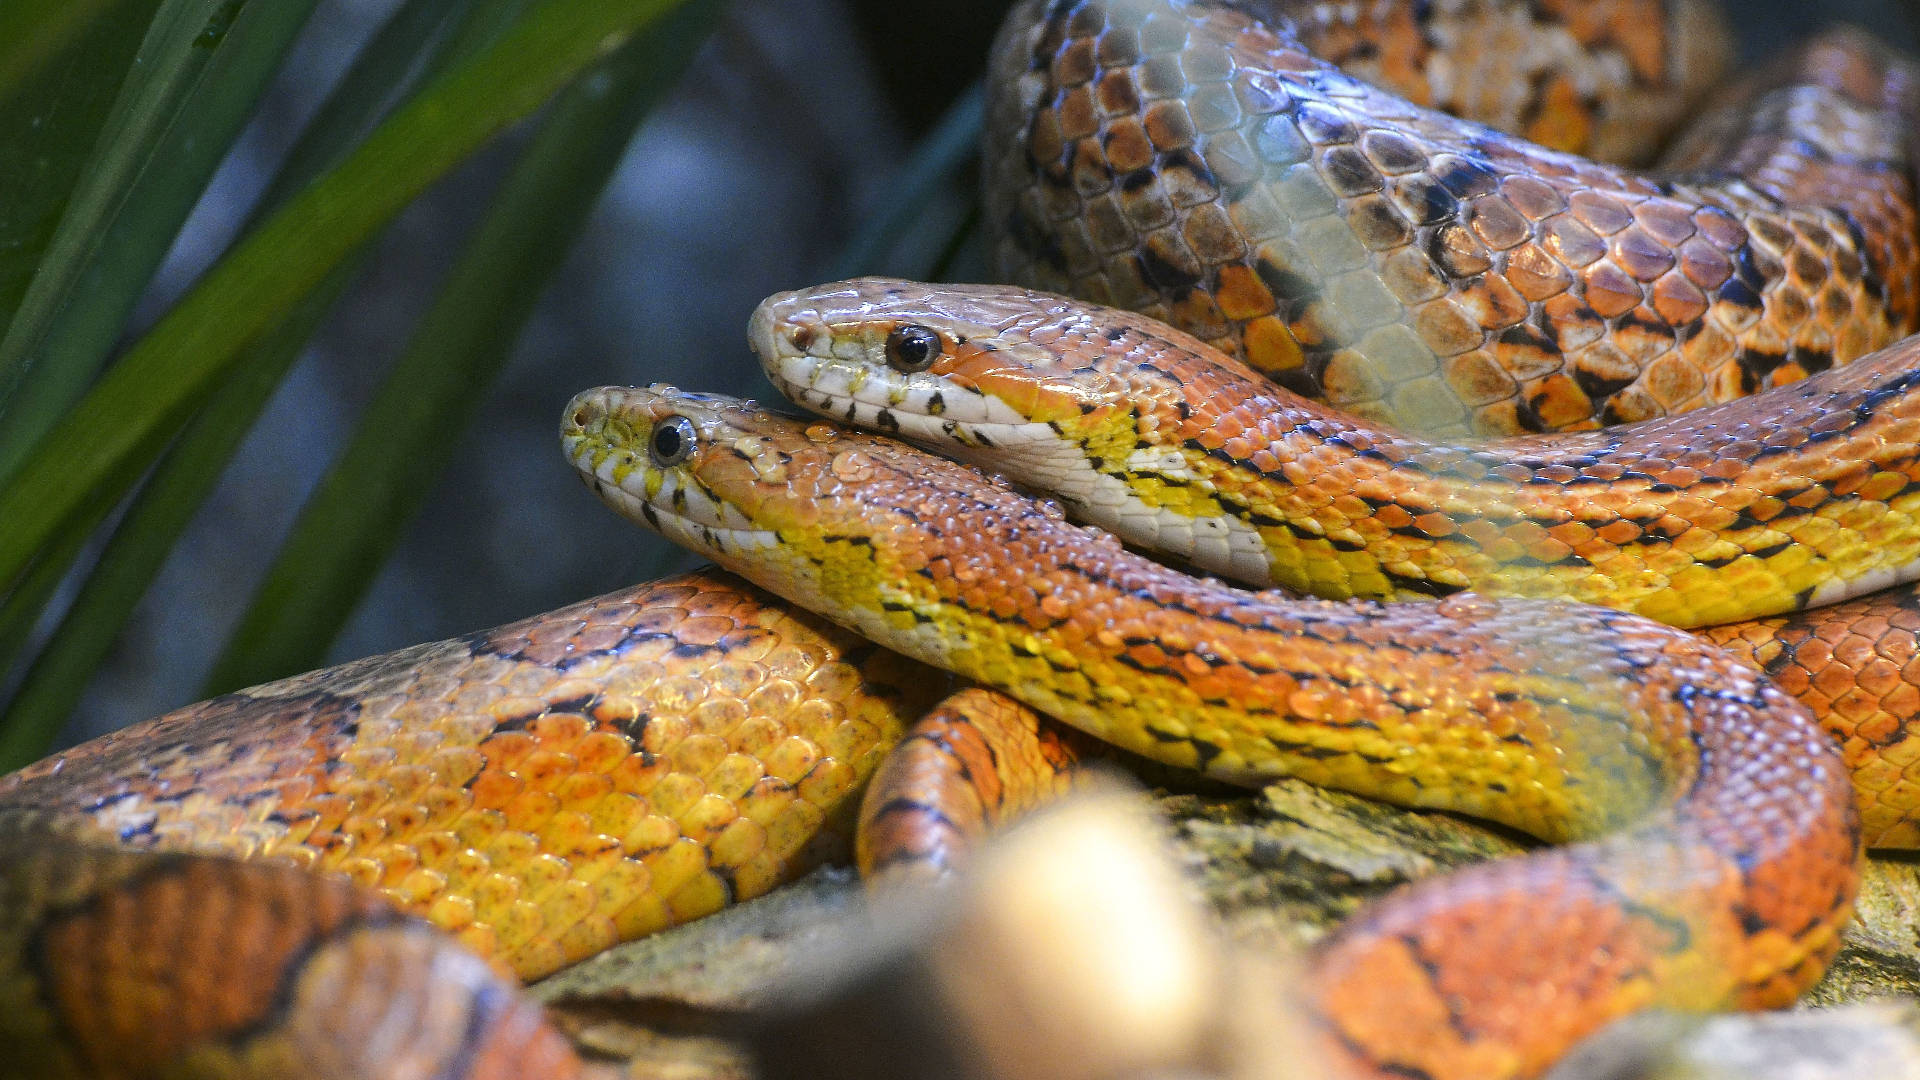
(601, 435)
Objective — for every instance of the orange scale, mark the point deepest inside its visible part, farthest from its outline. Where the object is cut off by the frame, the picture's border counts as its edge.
(701, 896)
(450, 912)
(740, 841)
(735, 775)
(363, 871)
(707, 816)
(530, 810)
(417, 889)
(673, 866)
(617, 813)
(650, 835)
(507, 748)
(700, 754)
(757, 876)
(479, 828)
(529, 951)
(602, 752)
(645, 912)
(792, 759)
(495, 788)
(829, 782)
(675, 793)
(482, 939)
(591, 933)
(718, 716)
(566, 903)
(546, 770)
(560, 730)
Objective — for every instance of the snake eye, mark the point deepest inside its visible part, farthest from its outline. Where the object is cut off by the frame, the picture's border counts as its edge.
(672, 441)
(912, 348)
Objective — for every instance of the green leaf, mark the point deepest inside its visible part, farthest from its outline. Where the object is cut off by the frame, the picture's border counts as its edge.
(60, 70)
(188, 472)
(184, 110)
(142, 541)
(411, 428)
(103, 444)
(181, 42)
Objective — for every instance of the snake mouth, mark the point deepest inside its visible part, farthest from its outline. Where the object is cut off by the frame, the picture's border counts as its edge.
(605, 433)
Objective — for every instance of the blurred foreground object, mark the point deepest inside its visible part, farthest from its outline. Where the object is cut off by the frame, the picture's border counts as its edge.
(1074, 950)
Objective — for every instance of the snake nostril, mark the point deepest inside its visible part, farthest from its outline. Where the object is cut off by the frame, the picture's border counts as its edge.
(580, 418)
(802, 337)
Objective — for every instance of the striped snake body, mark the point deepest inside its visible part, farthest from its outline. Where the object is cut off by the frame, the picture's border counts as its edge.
(1569, 721)
(1800, 498)
(610, 768)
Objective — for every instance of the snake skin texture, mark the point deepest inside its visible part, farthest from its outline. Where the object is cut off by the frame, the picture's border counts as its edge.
(1802, 497)
(1182, 451)
(1611, 79)
(537, 792)
(1857, 666)
(1727, 888)
(977, 761)
(1186, 160)
(124, 963)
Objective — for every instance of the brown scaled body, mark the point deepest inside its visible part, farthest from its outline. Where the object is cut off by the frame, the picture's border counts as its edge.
(1188, 161)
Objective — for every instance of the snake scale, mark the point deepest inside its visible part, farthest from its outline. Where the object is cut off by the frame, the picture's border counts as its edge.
(607, 769)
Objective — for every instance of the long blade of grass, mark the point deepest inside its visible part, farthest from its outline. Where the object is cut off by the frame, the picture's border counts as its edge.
(58, 676)
(409, 45)
(138, 405)
(89, 283)
(85, 329)
(183, 40)
(410, 429)
(413, 42)
(50, 121)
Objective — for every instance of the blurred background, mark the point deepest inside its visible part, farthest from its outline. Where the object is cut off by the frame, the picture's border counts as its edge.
(806, 139)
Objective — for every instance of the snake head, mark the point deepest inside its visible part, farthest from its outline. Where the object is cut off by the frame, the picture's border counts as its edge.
(950, 366)
(769, 496)
(707, 471)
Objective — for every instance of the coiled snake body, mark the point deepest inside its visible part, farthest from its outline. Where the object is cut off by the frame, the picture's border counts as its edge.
(1568, 721)
(1186, 160)
(550, 787)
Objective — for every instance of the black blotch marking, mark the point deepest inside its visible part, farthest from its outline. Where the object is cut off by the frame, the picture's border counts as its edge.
(1467, 177)
(1162, 273)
